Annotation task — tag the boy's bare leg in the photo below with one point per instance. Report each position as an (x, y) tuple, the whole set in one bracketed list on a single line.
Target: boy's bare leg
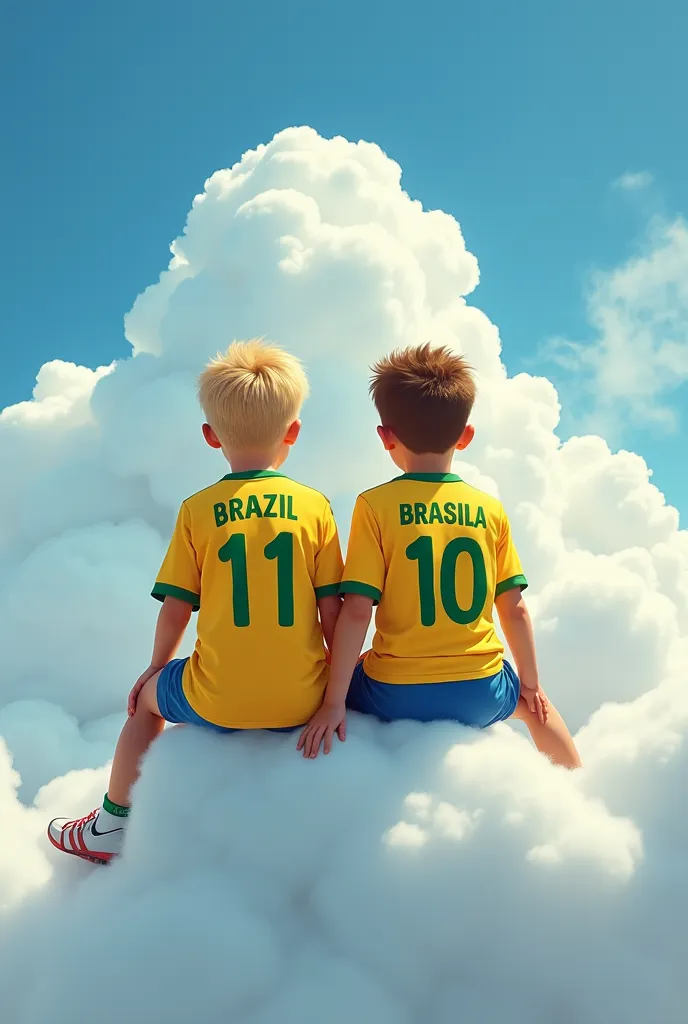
[(553, 738), (139, 731)]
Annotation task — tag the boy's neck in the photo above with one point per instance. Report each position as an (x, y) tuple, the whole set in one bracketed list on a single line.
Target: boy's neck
[(251, 461), (429, 463)]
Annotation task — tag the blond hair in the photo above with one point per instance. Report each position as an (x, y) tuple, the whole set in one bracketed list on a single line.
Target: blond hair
[(251, 393)]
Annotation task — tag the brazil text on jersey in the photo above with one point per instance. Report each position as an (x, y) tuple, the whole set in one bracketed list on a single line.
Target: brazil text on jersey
[(451, 512), (266, 506)]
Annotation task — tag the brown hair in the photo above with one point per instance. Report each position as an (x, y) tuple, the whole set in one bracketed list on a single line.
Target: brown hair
[(425, 395)]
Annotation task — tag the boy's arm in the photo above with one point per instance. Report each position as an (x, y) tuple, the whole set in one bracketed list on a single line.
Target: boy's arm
[(329, 609), (328, 575), (172, 621), (362, 585), (349, 635), (518, 632)]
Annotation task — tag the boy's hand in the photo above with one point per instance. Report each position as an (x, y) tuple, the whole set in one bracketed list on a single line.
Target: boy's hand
[(328, 720), (536, 701), (138, 686)]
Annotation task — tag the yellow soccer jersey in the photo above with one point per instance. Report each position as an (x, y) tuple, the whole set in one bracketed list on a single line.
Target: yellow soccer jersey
[(253, 553), (434, 552)]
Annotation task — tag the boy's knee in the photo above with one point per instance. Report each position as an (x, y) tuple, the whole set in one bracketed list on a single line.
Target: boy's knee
[(147, 702)]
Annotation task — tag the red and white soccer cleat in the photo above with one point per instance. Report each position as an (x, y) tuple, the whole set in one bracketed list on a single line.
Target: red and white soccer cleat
[(84, 839)]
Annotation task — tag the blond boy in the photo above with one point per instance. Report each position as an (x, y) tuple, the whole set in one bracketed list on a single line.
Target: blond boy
[(437, 557), (258, 556)]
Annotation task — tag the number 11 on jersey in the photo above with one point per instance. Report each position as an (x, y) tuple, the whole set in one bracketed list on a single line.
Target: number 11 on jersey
[(280, 549)]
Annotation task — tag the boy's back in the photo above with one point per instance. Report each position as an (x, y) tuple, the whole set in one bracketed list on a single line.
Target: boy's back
[(254, 552), (435, 552)]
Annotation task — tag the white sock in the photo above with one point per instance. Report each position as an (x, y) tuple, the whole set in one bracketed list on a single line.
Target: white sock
[(108, 822)]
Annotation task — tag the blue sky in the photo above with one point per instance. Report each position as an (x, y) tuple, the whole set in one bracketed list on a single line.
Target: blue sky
[(515, 117)]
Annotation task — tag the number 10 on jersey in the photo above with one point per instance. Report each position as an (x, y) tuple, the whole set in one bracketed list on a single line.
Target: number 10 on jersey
[(422, 551)]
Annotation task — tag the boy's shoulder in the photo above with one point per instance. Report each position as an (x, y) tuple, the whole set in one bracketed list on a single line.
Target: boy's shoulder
[(202, 496)]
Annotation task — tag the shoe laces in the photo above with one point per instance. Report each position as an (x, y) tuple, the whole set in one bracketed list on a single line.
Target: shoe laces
[(82, 822)]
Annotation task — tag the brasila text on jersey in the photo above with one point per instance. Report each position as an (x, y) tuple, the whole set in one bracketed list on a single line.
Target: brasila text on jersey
[(264, 506), (451, 512)]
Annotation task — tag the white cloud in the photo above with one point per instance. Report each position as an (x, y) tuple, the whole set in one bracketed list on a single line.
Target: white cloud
[(634, 181), (419, 869), (393, 869), (639, 311)]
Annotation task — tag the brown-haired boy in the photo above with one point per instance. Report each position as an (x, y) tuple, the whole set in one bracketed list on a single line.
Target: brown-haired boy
[(259, 555), (436, 556)]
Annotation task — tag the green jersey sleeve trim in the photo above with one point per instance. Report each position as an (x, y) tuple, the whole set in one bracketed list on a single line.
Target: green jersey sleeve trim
[(513, 581), (329, 590), (162, 590), (353, 587)]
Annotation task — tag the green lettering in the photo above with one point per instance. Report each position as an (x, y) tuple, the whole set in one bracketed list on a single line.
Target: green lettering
[(271, 499), (421, 551), (220, 510), (234, 552), (405, 514), (252, 507), (468, 515), (450, 512), (480, 518), (459, 509), (282, 513), (290, 508), (435, 514), (421, 513), (448, 567), (282, 548), (235, 506)]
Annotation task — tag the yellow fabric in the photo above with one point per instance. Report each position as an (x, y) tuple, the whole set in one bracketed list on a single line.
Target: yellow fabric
[(434, 552), (255, 551)]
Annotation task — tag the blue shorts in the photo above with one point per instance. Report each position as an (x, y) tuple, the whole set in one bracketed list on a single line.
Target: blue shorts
[(474, 702), (175, 708)]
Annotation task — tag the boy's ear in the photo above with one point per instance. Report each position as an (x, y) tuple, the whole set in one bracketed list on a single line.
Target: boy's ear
[(466, 437), (387, 437), (292, 433), (210, 436)]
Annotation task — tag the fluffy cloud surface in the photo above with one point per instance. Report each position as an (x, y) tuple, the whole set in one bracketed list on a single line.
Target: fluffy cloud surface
[(639, 310), (420, 873)]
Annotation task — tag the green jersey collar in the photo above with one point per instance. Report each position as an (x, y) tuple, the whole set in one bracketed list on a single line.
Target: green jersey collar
[(433, 478), (252, 474)]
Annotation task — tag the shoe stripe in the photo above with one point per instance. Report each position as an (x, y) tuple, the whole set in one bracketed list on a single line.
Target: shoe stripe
[(73, 842), (90, 855), (64, 836), (78, 835)]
